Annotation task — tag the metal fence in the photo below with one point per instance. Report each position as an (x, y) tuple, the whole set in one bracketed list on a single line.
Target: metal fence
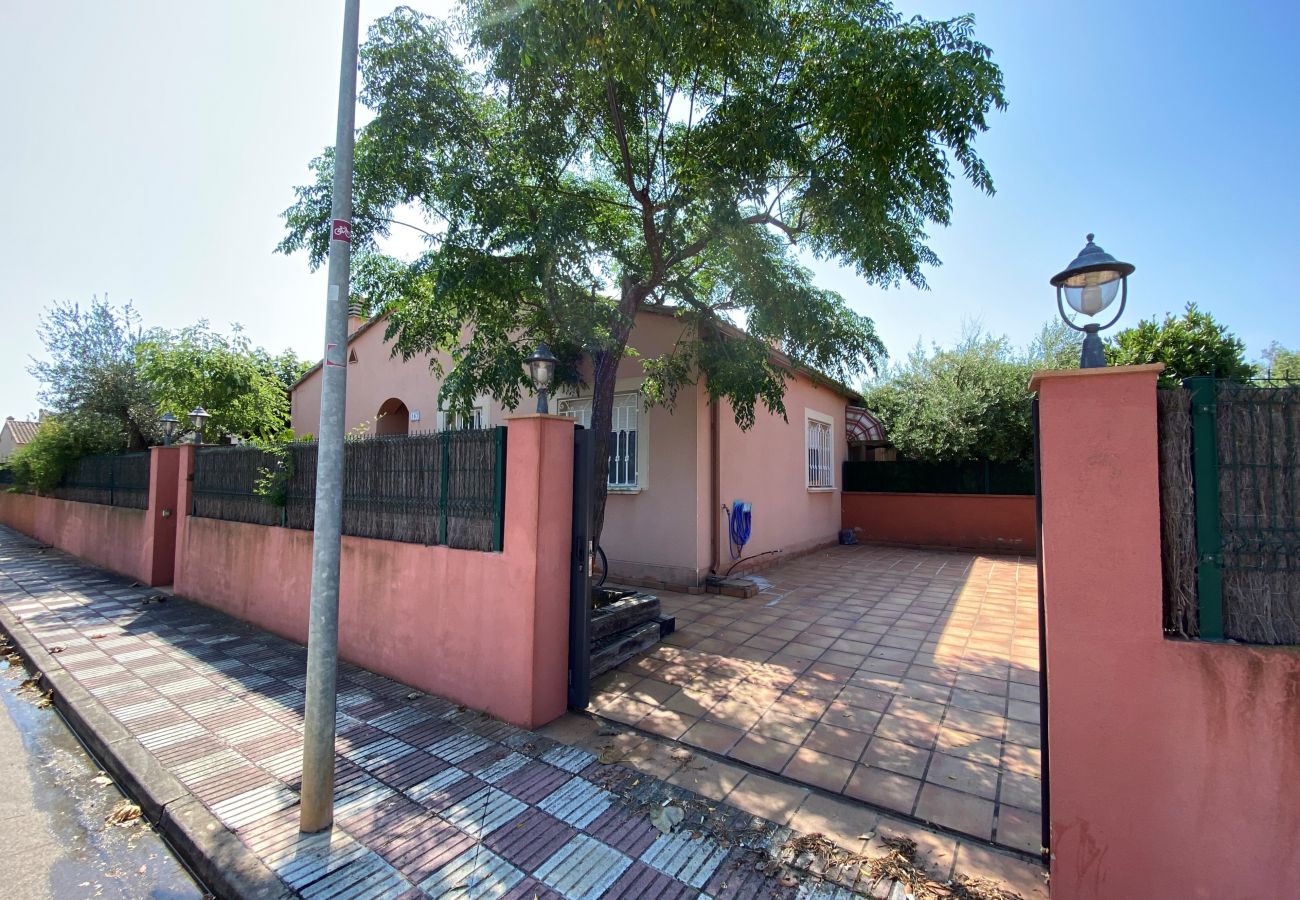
[(1230, 507), (111, 479), (446, 488), (911, 477)]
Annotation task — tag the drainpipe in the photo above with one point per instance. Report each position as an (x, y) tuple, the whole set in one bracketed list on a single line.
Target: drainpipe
[(715, 489)]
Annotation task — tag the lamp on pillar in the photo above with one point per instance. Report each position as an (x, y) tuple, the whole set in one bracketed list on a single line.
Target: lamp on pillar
[(198, 415), (1090, 284), (169, 423), (541, 369)]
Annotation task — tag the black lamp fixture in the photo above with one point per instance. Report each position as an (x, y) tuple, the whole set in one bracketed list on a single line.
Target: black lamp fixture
[(1089, 285), (198, 415), (541, 369), (169, 423)]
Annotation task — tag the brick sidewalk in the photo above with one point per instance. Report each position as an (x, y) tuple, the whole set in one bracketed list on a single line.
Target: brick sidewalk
[(431, 799)]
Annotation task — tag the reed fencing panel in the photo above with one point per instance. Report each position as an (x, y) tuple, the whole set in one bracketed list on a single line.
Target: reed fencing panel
[(1230, 510), (440, 488), (110, 479)]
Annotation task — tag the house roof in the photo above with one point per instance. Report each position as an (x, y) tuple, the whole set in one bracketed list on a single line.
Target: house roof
[(669, 311), (22, 431)]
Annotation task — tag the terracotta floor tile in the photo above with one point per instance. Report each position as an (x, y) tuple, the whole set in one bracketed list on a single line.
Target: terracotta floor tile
[(976, 722), (1020, 829), (1022, 711), (895, 756), (965, 745), (766, 753), (1024, 733), (782, 726), (1024, 878), (883, 788), (1019, 790), (767, 797), (836, 741), (963, 775), (734, 714), (818, 769), (918, 733), (711, 736), (667, 723), (953, 809)]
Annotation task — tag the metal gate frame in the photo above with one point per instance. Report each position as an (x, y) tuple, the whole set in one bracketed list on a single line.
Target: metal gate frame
[(584, 445)]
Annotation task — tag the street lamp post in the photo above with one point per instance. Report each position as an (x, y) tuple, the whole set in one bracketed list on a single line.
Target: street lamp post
[(198, 415), (1089, 284), (541, 369)]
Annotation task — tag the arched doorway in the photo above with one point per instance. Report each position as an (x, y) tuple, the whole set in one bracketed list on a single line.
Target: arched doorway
[(393, 417)]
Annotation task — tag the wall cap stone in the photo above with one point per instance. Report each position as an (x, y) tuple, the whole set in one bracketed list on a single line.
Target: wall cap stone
[(1042, 375)]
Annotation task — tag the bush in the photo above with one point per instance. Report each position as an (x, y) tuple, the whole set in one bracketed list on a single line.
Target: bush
[(971, 402), (1190, 344), (58, 443)]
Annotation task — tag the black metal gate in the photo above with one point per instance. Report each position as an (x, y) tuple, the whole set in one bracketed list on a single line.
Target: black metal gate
[(1042, 645), (580, 570)]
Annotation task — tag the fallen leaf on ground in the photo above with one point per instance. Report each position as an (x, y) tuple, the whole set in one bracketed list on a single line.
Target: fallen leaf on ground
[(101, 779), (414, 695), (58, 648), (125, 813), (610, 755), (666, 818)]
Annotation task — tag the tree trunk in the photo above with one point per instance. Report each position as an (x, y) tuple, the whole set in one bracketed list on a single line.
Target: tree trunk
[(604, 365)]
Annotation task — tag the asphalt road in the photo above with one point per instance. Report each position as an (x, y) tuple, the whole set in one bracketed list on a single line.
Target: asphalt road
[(54, 842)]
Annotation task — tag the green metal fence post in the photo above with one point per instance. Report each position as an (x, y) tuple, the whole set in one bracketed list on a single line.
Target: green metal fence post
[(499, 488), (445, 486), (1205, 482)]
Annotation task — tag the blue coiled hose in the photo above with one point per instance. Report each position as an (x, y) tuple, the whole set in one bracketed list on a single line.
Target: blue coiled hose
[(740, 520)]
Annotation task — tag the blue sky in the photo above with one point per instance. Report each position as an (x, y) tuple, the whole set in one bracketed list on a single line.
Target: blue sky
[(149, 148)]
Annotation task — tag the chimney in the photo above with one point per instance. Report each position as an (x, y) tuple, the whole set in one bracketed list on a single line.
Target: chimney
[(355, 322)]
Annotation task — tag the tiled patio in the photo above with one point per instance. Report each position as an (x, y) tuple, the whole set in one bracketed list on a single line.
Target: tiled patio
[(904, 678)]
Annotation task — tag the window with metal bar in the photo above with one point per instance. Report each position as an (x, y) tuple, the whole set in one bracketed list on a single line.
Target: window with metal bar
[(821, 454), (623, 434)]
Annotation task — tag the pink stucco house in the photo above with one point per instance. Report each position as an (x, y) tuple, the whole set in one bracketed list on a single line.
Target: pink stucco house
[(673, 472)]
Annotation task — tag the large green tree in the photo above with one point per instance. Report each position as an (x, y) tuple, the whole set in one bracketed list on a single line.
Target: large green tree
[(1281, 363), (571, 162), (242, 387), (1194, 343), (91, 372)]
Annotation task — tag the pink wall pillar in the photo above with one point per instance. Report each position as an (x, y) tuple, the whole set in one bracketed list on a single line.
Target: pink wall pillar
[(1173, 764)]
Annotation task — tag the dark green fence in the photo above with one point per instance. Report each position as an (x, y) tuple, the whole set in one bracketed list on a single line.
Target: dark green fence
[(445, 488), (114, 479), (1230, 506), (910, 477)]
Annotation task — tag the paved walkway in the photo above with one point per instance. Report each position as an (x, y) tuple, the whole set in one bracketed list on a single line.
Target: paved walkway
[(904, 678), (432, 800)]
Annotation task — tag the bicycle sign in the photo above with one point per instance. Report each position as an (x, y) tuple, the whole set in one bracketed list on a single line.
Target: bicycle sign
[(341, 230)]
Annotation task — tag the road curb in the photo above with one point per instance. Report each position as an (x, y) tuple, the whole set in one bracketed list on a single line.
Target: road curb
[(227, 868)]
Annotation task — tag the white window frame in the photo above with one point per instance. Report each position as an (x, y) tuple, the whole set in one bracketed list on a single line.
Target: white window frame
[(480, 419), (819, 451), (628, 417)]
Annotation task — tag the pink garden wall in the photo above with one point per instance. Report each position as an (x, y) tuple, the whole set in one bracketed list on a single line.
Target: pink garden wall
[(489, 630), (1173, 765), (137, 543), (1000, 523)]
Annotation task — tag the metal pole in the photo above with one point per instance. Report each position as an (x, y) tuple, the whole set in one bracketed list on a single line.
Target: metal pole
[(317, 810)]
